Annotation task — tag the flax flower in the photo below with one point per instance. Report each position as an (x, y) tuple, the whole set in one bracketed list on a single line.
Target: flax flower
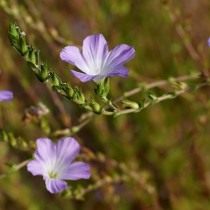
[(6, 95), (96, 61), (54, 161)]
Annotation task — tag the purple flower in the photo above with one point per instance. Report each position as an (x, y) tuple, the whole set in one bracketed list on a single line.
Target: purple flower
[(209, 41), (54, 161), (96, 61), (6, 95)]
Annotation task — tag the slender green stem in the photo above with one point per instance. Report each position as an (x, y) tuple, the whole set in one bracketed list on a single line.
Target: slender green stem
[(159, 83), (73, 130), (15, 168)]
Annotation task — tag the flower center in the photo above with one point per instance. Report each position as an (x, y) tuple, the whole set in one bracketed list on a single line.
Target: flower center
[(52, 174)]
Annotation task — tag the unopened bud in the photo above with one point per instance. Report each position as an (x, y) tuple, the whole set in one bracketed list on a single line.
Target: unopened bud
[(130, 104), (31, 56), (102, 88), (43, 75), (78, 96), (54, 79), (96, 107), (23, 46)]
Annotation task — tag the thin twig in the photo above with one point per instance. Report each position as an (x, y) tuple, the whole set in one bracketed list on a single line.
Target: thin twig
[(156, 84), (75, 129), (158, 100), (14, 169)]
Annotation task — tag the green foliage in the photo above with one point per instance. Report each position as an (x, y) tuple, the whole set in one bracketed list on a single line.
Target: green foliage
[(151, 150), (42, 71)]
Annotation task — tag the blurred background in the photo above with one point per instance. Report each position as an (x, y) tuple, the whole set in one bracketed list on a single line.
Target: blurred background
[(157, 159)]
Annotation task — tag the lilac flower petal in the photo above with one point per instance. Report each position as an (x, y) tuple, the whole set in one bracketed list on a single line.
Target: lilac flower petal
[(119, 55), (81, 76), (209, 41), (96, 61), (95, 50), (35, 168), (66, 150), (75, 171), (55, 185), (6, 95), (120, 71), (100, 77), (54, 163), (72, 55), (45, 150)]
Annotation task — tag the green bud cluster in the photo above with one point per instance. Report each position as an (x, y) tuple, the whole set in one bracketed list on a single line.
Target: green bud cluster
[(16, 142), (42, 71), (102, 89)]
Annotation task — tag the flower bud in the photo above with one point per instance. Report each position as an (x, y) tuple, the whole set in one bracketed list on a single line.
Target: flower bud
[(78, 96), (54, 79), (102, 88), (31, 56), (96, 107), (23, 46), (130, 104), (14, 31), (43, 75)]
